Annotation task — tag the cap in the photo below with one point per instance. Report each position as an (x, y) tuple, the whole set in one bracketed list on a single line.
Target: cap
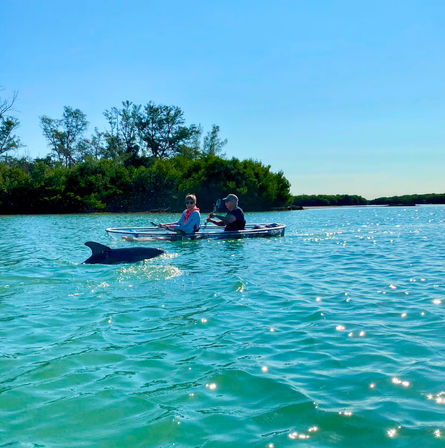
[(231, 197)]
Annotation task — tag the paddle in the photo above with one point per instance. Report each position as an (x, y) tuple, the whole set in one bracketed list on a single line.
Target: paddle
[(215, 207), (160, 226)]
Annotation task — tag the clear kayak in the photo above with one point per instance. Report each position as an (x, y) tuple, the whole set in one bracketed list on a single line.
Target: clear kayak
[(206, 232)]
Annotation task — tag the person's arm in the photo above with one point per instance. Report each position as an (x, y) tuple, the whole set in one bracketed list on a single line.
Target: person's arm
[(172, 225), (224, 220), (218, 223)]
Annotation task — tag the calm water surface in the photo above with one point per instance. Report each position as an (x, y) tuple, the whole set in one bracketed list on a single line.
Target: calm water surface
[(331, 336)]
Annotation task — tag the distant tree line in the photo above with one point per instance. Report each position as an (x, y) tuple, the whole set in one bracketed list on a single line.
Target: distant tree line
[(345, 199), (411, 199), (146, 159), (322, 200)]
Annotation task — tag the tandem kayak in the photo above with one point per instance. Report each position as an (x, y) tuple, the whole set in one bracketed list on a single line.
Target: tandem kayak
[(208, 232)]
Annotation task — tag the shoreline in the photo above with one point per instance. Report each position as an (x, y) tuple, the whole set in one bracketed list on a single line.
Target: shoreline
[(280, 209)]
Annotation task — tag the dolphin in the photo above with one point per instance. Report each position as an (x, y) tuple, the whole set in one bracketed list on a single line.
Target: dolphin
[(105, 255)]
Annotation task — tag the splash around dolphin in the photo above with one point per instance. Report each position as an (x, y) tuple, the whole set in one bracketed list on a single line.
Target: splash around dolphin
[(105, 255)]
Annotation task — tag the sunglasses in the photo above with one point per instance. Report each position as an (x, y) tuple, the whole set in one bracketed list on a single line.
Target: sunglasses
[(189, 202)]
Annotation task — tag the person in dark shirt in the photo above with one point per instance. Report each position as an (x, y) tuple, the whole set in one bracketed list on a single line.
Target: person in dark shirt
[(234, 220)]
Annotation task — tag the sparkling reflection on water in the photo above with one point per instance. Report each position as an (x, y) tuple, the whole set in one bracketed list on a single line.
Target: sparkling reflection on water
[(330, 336)]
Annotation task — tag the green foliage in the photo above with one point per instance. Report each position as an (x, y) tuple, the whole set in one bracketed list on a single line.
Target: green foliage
[(147, 159), (212, 177), (15, 187), (412, 199), (122, 137), (338, 200), (212, 144), (44, 186), (65, 136), (162, 130), (8, 125), (328, 200), (136, 131), (8, 141), (156, 187)]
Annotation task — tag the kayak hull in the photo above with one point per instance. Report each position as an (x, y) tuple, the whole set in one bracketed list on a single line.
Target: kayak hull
[(209, 232)]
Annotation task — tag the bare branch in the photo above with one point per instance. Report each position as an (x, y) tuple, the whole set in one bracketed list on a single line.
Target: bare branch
[(6, 105)]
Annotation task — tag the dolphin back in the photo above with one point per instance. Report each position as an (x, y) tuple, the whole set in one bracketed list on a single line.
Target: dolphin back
[(105, 255), (97, 248)]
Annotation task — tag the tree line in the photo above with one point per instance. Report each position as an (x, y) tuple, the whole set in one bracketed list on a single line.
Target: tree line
[(323, 200), (44, 186), (345, 199), (411, 199), (146, 159)]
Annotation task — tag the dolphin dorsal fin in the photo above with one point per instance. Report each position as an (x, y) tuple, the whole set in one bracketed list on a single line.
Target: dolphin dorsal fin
[(97, 248)]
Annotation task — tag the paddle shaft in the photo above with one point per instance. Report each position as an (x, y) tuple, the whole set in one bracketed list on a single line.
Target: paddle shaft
[(159, 226), (215, 207)]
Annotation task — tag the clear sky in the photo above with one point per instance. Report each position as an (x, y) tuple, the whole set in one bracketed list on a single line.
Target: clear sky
[(342, 96)]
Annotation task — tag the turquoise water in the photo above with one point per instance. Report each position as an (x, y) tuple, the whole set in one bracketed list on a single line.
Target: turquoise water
[(330, 336)]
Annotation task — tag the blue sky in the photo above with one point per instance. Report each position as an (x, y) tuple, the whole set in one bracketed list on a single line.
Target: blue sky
[(342, 96)]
